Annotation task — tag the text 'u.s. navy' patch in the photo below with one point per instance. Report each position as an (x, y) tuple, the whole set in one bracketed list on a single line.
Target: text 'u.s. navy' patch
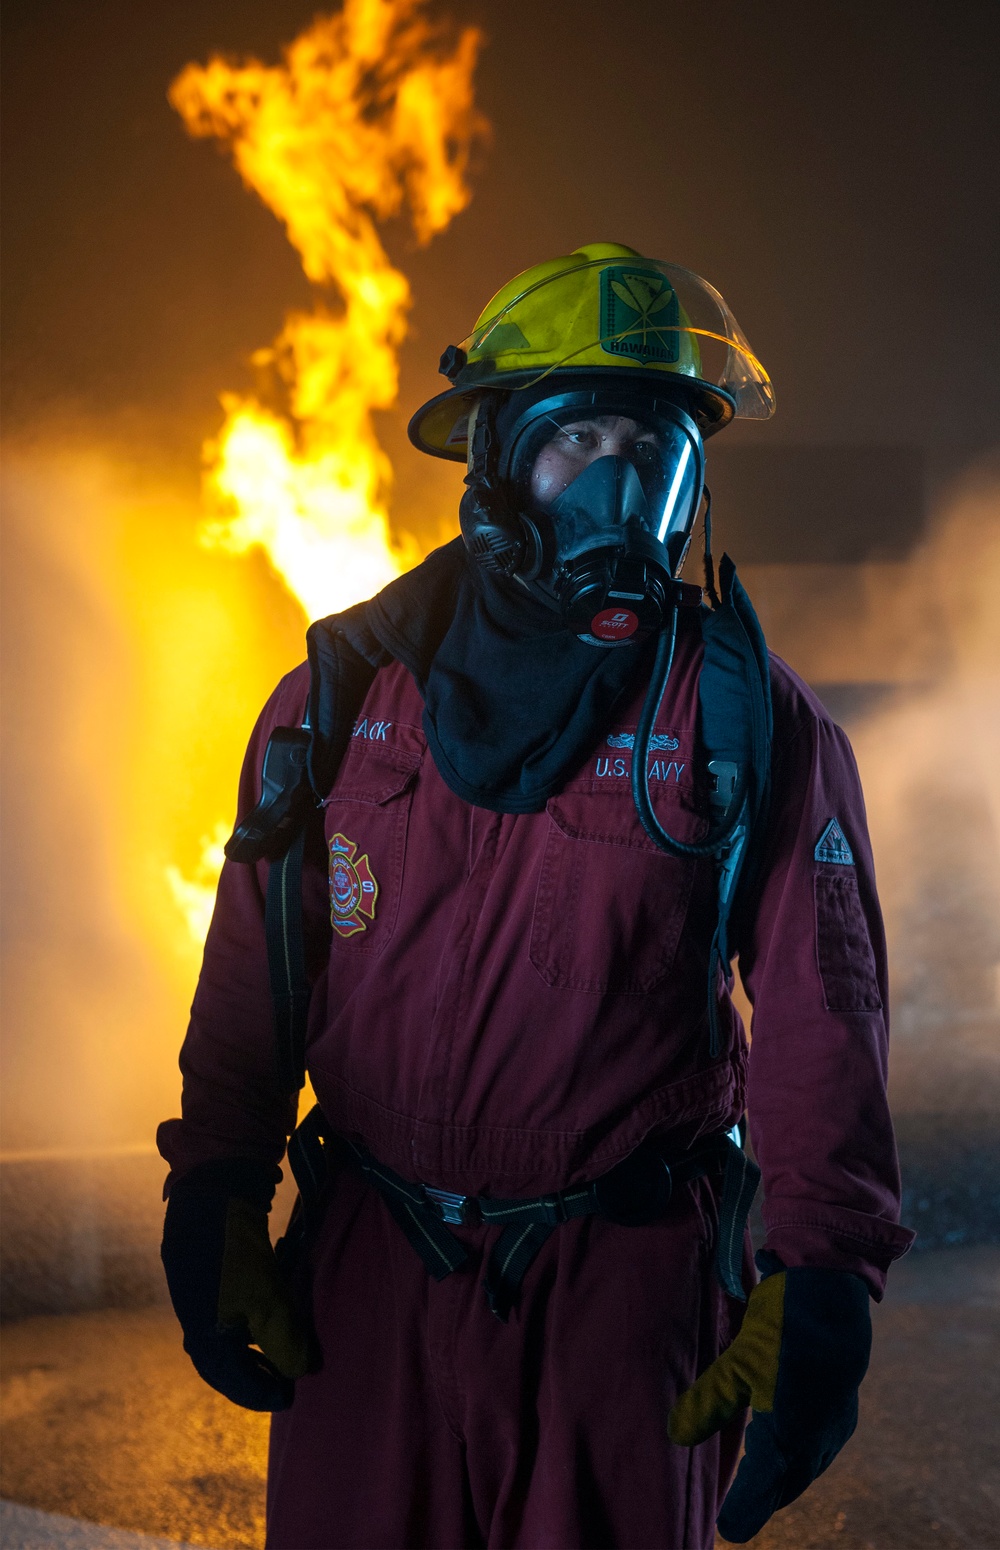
[(832, 846), (353, 889)]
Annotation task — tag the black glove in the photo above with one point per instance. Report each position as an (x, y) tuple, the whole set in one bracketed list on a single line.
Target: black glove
[(798, 1359), (226, 1288)]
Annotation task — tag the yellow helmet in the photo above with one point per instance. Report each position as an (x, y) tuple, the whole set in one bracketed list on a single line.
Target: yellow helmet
[(603, 310)]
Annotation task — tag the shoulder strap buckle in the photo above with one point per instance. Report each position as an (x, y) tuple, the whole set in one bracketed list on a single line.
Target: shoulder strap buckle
[(285, 796)]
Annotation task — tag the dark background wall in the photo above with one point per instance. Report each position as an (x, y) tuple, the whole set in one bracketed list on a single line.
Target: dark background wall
[(832, 169)]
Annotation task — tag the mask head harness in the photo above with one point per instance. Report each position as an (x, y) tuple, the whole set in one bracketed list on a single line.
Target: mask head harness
[(602, 537)]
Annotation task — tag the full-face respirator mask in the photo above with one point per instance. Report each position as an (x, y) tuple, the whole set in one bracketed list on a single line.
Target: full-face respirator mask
[(585, 498)]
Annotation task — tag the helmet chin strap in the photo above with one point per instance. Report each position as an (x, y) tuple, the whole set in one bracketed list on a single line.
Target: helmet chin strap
[(707, 560)]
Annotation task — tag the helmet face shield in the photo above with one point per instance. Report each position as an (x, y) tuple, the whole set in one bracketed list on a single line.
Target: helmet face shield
[(642, 314), (605, 312)]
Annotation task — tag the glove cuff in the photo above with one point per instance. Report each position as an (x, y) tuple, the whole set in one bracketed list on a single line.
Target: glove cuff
[(768, 1263), (242, 1178)]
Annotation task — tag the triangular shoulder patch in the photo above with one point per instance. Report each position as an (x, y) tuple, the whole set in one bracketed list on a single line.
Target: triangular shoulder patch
[(833, 846)]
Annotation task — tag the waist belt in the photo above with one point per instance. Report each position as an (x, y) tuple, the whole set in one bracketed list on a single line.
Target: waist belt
[(636, 1191)]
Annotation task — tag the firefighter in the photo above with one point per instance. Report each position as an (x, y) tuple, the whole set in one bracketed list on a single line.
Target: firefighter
[(499, 841)]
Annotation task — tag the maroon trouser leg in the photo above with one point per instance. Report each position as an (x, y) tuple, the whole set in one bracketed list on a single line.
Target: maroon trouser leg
[(432, 1426)]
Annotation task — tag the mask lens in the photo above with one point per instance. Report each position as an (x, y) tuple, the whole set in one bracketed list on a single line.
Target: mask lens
[(661, 452), (569, 442), (680, 486)]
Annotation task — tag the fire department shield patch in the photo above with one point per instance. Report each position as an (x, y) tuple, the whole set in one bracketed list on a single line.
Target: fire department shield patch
[(353, 889)]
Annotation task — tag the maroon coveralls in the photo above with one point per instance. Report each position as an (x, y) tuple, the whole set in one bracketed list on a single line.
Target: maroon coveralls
[(513, 1008)]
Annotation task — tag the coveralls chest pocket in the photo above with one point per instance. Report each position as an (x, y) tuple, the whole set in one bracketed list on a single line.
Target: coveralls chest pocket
[(610, 905), (365, 823)]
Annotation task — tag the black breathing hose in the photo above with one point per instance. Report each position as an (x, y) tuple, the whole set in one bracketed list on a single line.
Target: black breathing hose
[(715, 842)]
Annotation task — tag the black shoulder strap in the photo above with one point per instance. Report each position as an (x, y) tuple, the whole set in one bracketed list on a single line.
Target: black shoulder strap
[(734, 695), (344, 657), (300, 765), (734, 690)]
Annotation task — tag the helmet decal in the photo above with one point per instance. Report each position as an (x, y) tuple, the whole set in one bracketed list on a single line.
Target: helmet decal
[(640, 315), (506, 336)]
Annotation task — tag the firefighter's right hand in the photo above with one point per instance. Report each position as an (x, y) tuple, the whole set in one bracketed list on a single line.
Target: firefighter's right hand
[(226, 1288)]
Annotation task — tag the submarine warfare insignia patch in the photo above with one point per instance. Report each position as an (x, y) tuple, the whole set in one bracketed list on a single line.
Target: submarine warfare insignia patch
[(353, 889), (833, 846), (659, 740)]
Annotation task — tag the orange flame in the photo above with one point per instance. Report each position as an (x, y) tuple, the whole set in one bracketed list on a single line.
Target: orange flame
[(371, 110), (195, 896)]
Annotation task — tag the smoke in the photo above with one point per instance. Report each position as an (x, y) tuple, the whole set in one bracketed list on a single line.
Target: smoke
[(931, 771), (134, 665)]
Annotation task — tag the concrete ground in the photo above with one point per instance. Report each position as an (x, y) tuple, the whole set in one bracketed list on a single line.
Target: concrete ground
[(25, 1528), (103, 1420)]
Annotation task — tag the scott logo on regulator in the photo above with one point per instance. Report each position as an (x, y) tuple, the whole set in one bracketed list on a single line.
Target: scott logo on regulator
[(614, 624)]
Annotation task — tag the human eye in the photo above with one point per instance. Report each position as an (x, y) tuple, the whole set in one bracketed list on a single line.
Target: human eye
[(580, 435)]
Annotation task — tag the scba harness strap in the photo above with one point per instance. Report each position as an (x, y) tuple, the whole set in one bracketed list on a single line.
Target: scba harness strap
[(635, 1192), (299, 767)]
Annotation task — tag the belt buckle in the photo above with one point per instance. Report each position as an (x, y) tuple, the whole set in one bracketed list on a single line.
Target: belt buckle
[(451, 1206)]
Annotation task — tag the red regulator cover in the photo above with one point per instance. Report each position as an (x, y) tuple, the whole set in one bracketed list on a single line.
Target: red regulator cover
[(614, 624)]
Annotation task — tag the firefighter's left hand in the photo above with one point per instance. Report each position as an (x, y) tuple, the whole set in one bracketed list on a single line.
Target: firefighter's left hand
[(798, 1360)]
